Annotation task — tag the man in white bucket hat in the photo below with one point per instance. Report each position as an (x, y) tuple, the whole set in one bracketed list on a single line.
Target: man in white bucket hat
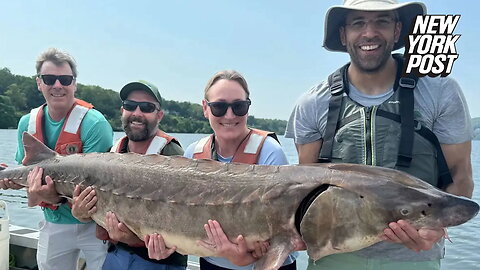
[(368, 113)]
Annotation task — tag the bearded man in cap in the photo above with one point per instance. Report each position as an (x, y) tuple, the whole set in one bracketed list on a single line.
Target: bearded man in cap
[(141, 114), (367, 113)]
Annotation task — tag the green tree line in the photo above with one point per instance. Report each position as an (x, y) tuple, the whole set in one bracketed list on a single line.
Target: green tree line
[(19, 94)]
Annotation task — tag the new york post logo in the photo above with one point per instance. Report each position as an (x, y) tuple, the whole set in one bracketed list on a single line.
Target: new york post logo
[(430, 46)]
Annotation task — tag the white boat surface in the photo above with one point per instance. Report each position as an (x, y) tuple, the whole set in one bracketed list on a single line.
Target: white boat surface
[(23, 246)]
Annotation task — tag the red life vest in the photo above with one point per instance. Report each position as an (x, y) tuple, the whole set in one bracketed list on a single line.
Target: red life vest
[(69, 141), (156, 145), (247, 153)]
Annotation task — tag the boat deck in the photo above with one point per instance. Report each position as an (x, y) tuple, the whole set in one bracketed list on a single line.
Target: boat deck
[(23, 244)]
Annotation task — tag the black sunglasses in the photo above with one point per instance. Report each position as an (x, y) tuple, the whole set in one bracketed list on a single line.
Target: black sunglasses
[(145, 107), (239, 108), (65, 80)]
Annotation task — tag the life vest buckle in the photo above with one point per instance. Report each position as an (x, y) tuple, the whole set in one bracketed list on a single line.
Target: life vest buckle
[(336, 89), (407, 83), (418, 126)]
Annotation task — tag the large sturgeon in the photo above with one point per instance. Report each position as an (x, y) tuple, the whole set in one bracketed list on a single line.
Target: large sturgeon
[(332, 208)]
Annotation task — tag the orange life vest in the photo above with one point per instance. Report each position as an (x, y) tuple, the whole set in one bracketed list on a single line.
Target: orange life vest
[(247, 153), (69, 141), (156, 145)]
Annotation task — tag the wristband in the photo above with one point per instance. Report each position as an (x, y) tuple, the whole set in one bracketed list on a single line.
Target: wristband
[(53, 206)]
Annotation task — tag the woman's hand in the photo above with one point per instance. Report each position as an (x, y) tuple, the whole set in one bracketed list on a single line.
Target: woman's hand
[(156, 247), (237, 251)]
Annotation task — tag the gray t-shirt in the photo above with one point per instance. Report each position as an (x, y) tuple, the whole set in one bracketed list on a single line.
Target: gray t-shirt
[(368, 100), (440, 106), (438, 101)]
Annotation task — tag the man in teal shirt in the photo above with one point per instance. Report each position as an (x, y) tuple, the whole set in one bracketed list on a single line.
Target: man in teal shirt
[(67, 125)]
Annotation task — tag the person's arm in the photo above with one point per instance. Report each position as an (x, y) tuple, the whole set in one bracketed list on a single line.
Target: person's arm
[(460, 165), (308, 153), (272, 153), (96, 133), (22, 127), (453, 129)]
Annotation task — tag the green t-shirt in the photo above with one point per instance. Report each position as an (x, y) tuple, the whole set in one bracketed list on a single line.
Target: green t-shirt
[(96, 135), (172, 149)]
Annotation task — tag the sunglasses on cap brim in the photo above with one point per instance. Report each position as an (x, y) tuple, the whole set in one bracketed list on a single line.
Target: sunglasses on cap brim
[(239, 108)]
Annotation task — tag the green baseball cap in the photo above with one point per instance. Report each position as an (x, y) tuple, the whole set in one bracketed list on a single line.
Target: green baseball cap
[(142, 86)]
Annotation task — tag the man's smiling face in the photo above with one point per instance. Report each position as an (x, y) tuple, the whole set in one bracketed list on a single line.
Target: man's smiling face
[(369, 38)]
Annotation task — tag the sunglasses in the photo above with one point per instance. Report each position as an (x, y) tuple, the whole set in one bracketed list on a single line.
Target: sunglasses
[(239, 108), (64, 80), (145, 107)]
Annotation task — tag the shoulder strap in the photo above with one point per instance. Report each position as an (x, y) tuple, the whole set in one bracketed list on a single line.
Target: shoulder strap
[(156, 145), (35, 124), (444, 176), (406, 85), (74, 119), (203, 148), (337, 83), (118, 145)]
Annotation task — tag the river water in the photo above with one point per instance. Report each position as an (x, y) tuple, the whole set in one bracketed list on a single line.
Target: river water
[(462, 254)]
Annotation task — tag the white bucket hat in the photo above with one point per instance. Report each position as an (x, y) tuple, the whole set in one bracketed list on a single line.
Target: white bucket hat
[(335, 18)]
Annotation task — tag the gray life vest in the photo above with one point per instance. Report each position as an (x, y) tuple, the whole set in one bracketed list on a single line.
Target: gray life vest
[(387, 135)]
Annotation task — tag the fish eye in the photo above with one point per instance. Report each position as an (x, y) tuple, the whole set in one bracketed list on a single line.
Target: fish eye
[(404, 212)]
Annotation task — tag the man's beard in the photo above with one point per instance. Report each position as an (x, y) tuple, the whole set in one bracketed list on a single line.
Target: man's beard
[(137, 135), (370, 65)]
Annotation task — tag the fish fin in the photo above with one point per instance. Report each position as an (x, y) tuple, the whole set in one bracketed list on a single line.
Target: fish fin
[(329, 225), (276, 255), (35, 150)]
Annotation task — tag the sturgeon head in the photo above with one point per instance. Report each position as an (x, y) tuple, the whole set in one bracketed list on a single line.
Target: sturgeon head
[(352, 209)]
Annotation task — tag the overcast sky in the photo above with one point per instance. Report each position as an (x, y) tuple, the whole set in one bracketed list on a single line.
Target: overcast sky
[(179, 45)]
